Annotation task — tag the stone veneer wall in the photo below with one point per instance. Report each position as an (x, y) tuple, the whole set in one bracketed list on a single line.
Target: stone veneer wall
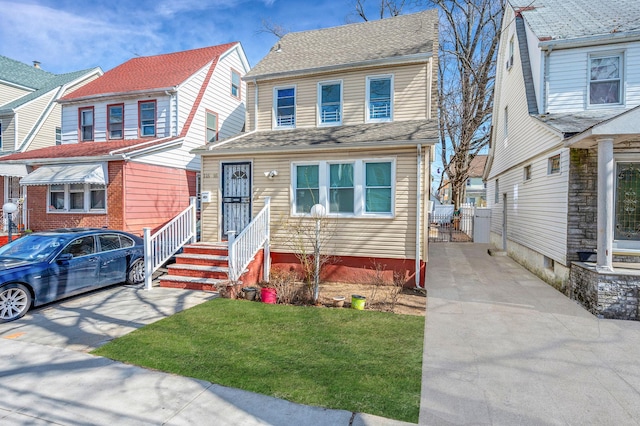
[(609, 295), (582, 229)]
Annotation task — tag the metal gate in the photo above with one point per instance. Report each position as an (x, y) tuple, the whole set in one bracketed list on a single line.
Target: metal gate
[(447, 226), (236, 197)]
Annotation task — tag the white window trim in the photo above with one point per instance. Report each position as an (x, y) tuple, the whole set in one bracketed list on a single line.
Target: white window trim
[(275, 106), (559, 172), (367, 100), (67, 201), (511, 52), (359, 187), (319, 104), (607, 54)]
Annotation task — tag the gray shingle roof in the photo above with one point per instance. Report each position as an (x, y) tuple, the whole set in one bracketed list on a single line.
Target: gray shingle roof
[(53, 81), (22, 74), (569, 19), (350, 44), (570, 123), (347, 137)]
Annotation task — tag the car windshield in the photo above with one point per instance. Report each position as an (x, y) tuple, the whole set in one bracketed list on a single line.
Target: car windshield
[(32, 247)]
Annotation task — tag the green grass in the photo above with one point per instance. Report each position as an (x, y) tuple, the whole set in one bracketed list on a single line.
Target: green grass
[(361, 361)]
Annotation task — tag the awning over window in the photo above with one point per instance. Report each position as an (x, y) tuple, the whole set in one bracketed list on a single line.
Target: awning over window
[(13, 170), (95, 173)]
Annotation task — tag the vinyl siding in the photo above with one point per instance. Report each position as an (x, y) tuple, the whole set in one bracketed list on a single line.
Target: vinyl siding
[(8, 132), (410, 102), (30, 113), (568, 76), (46, 135), (369, 237), (79, 84), (9, 93)]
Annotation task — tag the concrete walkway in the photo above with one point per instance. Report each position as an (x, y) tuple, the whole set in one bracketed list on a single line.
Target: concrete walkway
[(504, 348)]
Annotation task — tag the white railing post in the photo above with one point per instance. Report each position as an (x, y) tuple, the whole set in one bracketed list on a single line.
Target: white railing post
[(194, 219), (267, 250), (231, 237), (148, 268)]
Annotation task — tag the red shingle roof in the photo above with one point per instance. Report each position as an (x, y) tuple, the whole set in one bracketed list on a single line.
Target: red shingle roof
[(150, 72), (86, 149)]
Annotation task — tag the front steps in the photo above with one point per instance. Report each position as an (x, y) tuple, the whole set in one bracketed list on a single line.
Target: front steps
[(201, 266)]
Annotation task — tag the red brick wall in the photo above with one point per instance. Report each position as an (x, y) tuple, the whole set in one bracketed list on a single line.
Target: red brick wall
[(40, 220)]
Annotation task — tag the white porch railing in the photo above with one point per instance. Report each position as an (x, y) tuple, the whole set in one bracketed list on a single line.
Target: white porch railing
[(244, 247), (159, 247)]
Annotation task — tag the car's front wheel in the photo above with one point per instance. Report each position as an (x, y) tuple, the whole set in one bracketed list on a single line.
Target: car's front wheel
[(15, 301), (135, 275)]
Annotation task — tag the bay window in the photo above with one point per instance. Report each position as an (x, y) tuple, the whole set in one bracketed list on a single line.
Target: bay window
[(359, 188)]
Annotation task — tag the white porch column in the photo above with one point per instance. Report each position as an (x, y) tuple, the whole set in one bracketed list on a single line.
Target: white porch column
[(605, 204)]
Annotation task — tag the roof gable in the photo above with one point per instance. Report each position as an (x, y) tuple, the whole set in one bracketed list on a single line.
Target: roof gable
[(570, 19), (350, 44), (150, 72)]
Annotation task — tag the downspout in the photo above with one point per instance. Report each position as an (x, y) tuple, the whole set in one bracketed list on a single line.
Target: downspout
[(418, 214), (545, 91)]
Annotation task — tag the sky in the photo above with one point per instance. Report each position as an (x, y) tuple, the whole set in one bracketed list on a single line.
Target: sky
[(72, 35)]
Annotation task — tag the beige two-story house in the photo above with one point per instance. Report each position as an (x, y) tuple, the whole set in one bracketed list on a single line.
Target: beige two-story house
[(343, 117)]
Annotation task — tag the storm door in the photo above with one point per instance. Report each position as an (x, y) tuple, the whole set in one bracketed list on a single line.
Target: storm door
[(236, 197)]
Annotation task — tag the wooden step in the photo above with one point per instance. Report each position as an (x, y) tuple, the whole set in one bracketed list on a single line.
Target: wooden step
[(201, 259), (198, 271), (191, 283)]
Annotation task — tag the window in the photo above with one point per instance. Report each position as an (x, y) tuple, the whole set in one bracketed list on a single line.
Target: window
[(212, 126), (605, 80), (77, 197), (527, 172), (496, 199), (285, 106), (307, 187), (235, 84), (379, 98), (115, 121), (147, 114), (627, 202), (356, 188), (511, 49), (506, 122), (82, 246), (554, 165), (341, 188), (330, 100), (58, 136), (378, 189), (86, 124)]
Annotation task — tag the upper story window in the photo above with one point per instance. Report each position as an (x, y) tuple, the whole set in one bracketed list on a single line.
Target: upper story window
[(235, 84), (147, 117), (212, 126), (511, 50), (330, 102), (554, 165), (379, 98), (115, 121), (285, 106), (497, 192), (360, 188), (86, 124), (58, 135), (605, 79), (527, 172), (506, 122)]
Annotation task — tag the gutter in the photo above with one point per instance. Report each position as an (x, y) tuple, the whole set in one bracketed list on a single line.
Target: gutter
[(133, 93), (602, 39)]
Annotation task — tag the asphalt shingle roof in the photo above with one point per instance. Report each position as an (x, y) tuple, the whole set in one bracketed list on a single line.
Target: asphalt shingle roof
[(417, 131), (22, 74), (576, 122), (568, 19), (350, 44), (151, 72)]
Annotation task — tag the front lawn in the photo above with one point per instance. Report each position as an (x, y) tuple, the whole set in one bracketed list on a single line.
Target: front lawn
[(361, 361)]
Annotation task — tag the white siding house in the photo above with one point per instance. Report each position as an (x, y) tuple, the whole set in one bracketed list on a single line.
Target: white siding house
[(565, 147)]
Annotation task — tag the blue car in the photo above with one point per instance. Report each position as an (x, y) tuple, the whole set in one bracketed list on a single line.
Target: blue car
[(46, 266)]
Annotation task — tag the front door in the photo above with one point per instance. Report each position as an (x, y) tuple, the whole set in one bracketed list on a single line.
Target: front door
[(236, 197)]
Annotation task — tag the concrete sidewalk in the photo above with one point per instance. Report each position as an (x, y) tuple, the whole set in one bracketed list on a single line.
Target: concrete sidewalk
[(44, 382), (504, 348)]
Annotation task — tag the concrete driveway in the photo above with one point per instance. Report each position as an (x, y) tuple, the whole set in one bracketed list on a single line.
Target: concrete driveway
[(504, 348), (87, 321)]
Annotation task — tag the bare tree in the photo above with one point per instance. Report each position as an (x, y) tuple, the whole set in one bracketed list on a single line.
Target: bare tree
[(469, 34), (386, 8), (270, 27)]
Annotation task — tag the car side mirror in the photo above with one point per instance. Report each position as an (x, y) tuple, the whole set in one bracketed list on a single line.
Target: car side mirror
[(65, 257)]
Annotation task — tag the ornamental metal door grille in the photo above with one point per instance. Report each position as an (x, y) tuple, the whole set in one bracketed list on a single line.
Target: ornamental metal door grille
[(627, 221), (236, 197)]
